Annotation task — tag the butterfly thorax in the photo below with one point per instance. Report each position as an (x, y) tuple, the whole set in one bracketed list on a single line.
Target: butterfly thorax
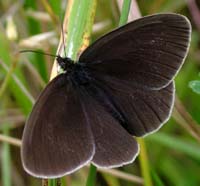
[(80, 75)]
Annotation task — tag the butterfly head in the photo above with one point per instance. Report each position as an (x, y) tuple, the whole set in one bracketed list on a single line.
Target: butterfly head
[(65, 62)]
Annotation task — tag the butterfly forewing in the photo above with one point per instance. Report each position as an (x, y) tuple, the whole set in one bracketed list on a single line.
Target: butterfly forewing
[(57, 139), (148, 52)]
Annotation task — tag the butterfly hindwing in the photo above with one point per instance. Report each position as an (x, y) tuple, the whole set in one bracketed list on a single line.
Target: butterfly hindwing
[(140, 111), (147, 52), (57, 139), (114, 146)]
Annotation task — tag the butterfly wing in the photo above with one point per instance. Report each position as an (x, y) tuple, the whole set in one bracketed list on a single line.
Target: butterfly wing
[(147, 52), (140, 111), (114, 146), (57, 139)]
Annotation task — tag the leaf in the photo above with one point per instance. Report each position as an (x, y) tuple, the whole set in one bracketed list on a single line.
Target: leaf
[(195, 86)]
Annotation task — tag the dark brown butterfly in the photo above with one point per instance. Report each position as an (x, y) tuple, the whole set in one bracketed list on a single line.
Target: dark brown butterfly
[(122, 86)]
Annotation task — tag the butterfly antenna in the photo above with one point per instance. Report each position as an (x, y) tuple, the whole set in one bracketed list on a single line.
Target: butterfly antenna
[(34, 51)]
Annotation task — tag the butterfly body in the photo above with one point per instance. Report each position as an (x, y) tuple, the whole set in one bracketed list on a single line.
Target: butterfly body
[(121, 87)]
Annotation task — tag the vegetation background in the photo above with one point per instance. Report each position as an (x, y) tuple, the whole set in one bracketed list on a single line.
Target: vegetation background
[(171, 156)]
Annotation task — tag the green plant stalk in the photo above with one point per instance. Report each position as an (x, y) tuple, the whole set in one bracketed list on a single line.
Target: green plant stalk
[(6, 160), (125, 12), (91, 176), (80, 20), (143, 158), (52, 182)]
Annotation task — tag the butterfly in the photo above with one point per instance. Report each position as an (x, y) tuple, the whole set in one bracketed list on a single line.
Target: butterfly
[(122, 86)]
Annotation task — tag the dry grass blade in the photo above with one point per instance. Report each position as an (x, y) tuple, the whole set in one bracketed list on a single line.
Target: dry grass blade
[(122, 175), (10, 140)]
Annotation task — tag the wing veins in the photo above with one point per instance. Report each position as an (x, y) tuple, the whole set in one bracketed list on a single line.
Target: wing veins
[(152, 109), (142, 122)]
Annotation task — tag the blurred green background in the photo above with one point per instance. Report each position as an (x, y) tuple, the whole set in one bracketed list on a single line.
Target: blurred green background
[(173, 152)]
